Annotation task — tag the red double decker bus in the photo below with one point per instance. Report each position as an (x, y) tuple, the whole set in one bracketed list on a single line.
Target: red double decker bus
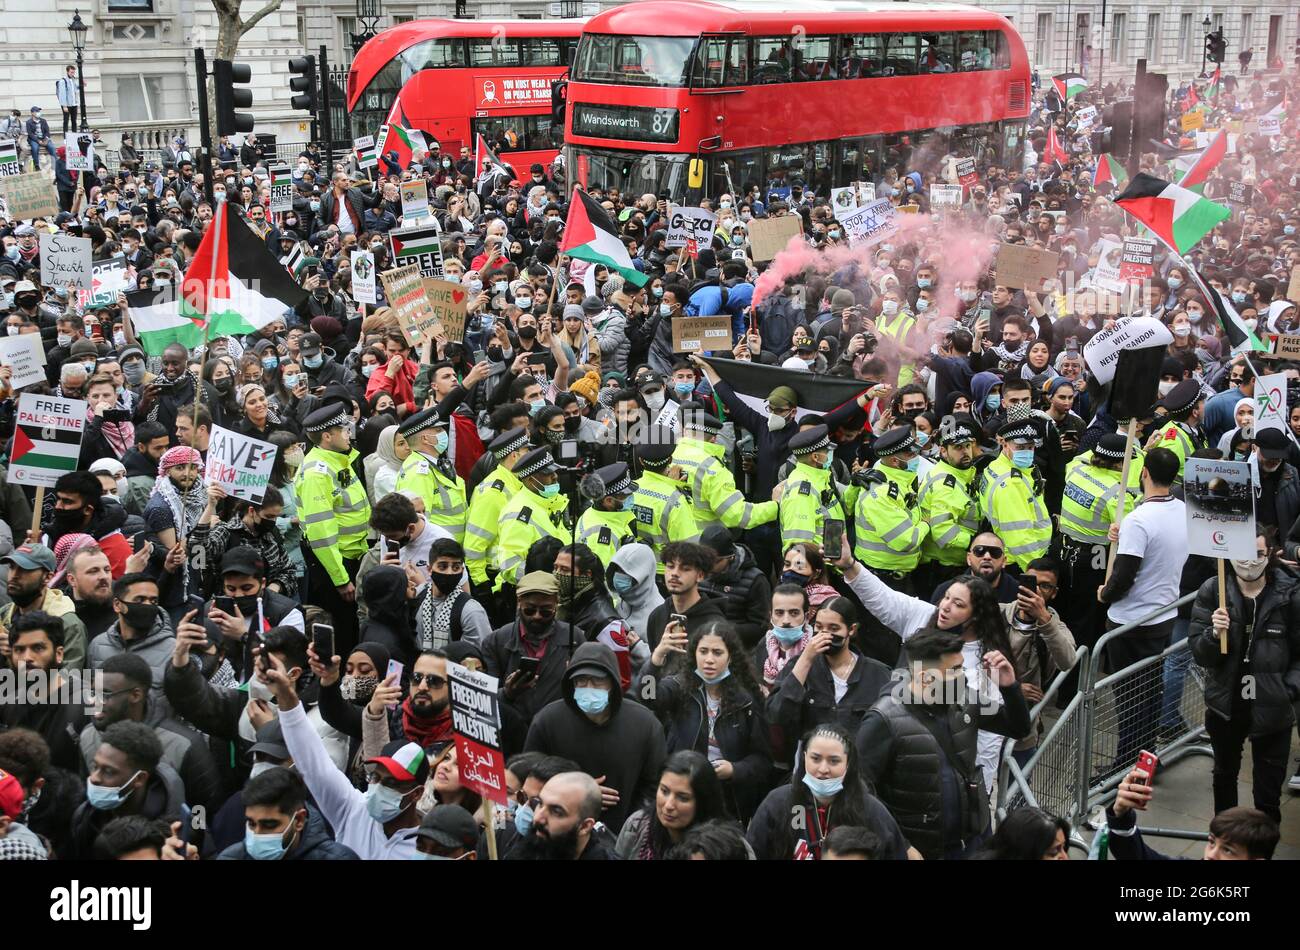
[(768, 93), (456, 78)]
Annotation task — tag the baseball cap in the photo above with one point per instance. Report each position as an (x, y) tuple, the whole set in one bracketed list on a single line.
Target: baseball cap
[(405, 760), (782, 397), (270, 741), (29, 557), (1272, 444), (449, 826), (243, 560)]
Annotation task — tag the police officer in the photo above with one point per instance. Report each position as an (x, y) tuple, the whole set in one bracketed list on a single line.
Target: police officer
[(889, 526), (490, 496), (610, 521), (535, 511), (429, 472), (809, 495), (1181, 432), (714, 496), (1011, 493), (948, 502), (660, 506), (335, 515)]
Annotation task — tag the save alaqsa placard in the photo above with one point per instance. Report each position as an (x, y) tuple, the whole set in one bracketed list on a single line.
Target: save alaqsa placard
[(1220, 501)]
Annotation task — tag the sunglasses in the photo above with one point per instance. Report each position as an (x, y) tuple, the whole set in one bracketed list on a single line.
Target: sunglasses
[(434, 681), (986, 550), (545, 613)]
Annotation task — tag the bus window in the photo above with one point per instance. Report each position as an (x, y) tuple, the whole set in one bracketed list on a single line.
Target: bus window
[(862, 55), (433, 54), (812, 59), (568, 46), (820, 182), (936, 53), (634, 60), (493, 52), (635, 172), (971, 51), (531, 133), (772, 59), (900, 54), (721, 62), (787, 165), (851, 154), (540, 51), (735, 173), (996, 44)]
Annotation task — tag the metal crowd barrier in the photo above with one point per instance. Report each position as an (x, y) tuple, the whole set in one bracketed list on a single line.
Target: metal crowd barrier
[(1092, 744)]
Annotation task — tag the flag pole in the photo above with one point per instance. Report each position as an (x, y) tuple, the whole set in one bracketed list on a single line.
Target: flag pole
[(218, 221)]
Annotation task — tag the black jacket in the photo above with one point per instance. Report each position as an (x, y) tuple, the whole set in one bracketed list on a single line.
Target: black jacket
[(1271, 653), (502, 651), (592, 612), (797, 707), (765, 831), (698, 616), (744, 594), (628, 749), (163, 796), (315, 845)]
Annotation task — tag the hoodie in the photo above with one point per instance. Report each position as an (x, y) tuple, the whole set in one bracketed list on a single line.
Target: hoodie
[(638, 562), (980, 385), (155, 648), (627, 749)]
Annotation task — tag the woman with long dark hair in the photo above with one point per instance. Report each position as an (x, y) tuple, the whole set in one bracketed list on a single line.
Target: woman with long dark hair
[(689, 794), (1028, 834), (714, 706), (825, 791)]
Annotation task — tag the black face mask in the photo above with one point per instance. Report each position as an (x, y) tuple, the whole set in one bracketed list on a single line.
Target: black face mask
[(225, 385), (837, 643), (495, 354), (140, 617), (528, 333), (445, 581), (247, 605), (68, 519), (572, 424)]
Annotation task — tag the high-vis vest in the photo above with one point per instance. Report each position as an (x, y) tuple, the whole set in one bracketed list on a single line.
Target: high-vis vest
[(333, 509), (1089, 501), (525, 519), (714, 496), (606, 531), (898, 330), (1014, 507), (484, 521), (444, 496), (1177, 438), (806, 502), (889, 526), (950, 507), (662, 513)]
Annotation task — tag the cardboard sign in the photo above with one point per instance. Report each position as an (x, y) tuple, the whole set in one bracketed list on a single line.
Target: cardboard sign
[(107, 280), (1086, 118), (1240, 193), (415, 199), (364, 148), (47, 438), (871, 223), (30, 195), (967, 176), (1270, 403), (908, 208), (1287, 346), (686, 223), (281, 188), (1025, 267), (25, 355), (701, 334), (843, 200), (1101, 353), (420, 245), (1220, 503), (239, 463), (1269, 125), (404, 292), (1137, 259), (363, 278), (9, 163), (866, 191), (1193, 120), (769, 236), (1293, 288), (945, 196), (449, 305), (65, 261), (80, 153), (476, 722), (1107, 272)]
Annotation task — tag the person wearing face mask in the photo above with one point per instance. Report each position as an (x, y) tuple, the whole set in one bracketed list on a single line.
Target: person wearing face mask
[(252, 525), (1246, 685), (1277, 495), (608, 523), (810, 496), (663, 411), (714, 496), (141, 629), (1011, 493), (536, 511), (321, 368), (489, 497), (280, 824), (1185, 413), (788, 635), (890, 527), (30, 567), (429, 472), (243, 578)]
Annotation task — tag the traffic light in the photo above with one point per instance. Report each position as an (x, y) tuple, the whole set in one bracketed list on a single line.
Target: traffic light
[(303, 83), (1150, 95), (559, 99), (227, 75), (1216, 47)]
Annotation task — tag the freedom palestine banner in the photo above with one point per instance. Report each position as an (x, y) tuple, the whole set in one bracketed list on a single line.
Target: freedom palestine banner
[(421, 246), (9, 164), (367, 155), (281, 188), (47, 439)]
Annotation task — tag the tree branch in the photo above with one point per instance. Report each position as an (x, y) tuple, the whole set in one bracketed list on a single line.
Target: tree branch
[(246, 25)]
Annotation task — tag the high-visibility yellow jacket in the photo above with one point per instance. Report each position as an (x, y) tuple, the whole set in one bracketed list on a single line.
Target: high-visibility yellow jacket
[(714, 496), (483, 523), (333, 509), (889, 526), (806, 502), (605, 531), (662, 512), (444, 495), (1012, 501), (525, 519), (950, 507)]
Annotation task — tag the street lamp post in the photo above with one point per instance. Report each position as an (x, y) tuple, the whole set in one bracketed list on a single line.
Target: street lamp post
[(78, 30), (1205, 29)]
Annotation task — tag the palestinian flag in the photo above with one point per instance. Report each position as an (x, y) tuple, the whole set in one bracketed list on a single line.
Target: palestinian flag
[(753, 381), (1177, 217), (1191, 99), (1239, 336), (8, 151), (1199, 172), (367, 156), (281, 175), (1109, 170), (1069, 85), (234, 285), (591, 236), (1212, 90), (486, 163), (1053, 151), (403, 138), (50, 447), (293, 260)]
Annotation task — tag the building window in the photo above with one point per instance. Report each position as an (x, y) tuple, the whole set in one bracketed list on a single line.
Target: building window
[(1043, 40), (1119, 39), (347, 26), (1247, 31), (302, 29), (134, 6), (140, 98), (1216, 22), (1153, 37), (1184, 37)]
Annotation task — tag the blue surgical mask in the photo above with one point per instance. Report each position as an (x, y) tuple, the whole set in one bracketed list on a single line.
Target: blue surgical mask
[(717, 679), (922, 438), (830, 460), (923, 282), (1022, 458), (628, 504), (922, 305), (1175, 283), (270, 362), (551, 490), (658, 291), (914, 463), (537, 406), (476, 286), (500, 287), (313, 362), (106, 797), (315, 205), (623, 583), (383, 803), (665, 310), (442, 442), (368, 370), (738, 239), (787, 636), (684, 390), (993, 401), (264, 847), (524, 820), (1288, 229), (823, 787), (590, 700), (1238, 296)]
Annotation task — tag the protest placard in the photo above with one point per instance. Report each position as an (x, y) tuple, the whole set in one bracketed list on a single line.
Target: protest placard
[(1269, 125), (701, 334), (1193, 120), (685, 222), (769, 236), (25, 355), (866, 191), (1107, 272), (1086, 118), (1240, 193), (363, 277), (448, 303), (79, 151), (1137, 259), (1270, 402), (967, 176), (47, 439), (107, 280), (9, 163), (843, 200), (476, 723), (945, 196), (65, 260), (1293, 287), (364, 148), (1101, 353), (404, 291), (420, 245), (871, 223), (415, 199), (1220, 505), (281, 188), (1025, 267), (1287, 346), (239, 463), (30, 195)]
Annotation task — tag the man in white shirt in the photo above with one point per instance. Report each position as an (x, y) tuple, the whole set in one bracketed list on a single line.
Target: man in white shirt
[(1148, 568), (66, 91)]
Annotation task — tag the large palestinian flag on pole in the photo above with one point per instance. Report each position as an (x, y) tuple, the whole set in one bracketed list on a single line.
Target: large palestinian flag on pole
[(753, 382), (234, 286), (1069, 85), (1199, 172), (1177, 217), (1109, 170), (403, 138), (591, 236), (1239, 336)]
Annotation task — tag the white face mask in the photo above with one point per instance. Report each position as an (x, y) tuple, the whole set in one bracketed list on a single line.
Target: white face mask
[(654, 401), (1166, 386), (889, 307), (1250, 570), (775, 423)]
